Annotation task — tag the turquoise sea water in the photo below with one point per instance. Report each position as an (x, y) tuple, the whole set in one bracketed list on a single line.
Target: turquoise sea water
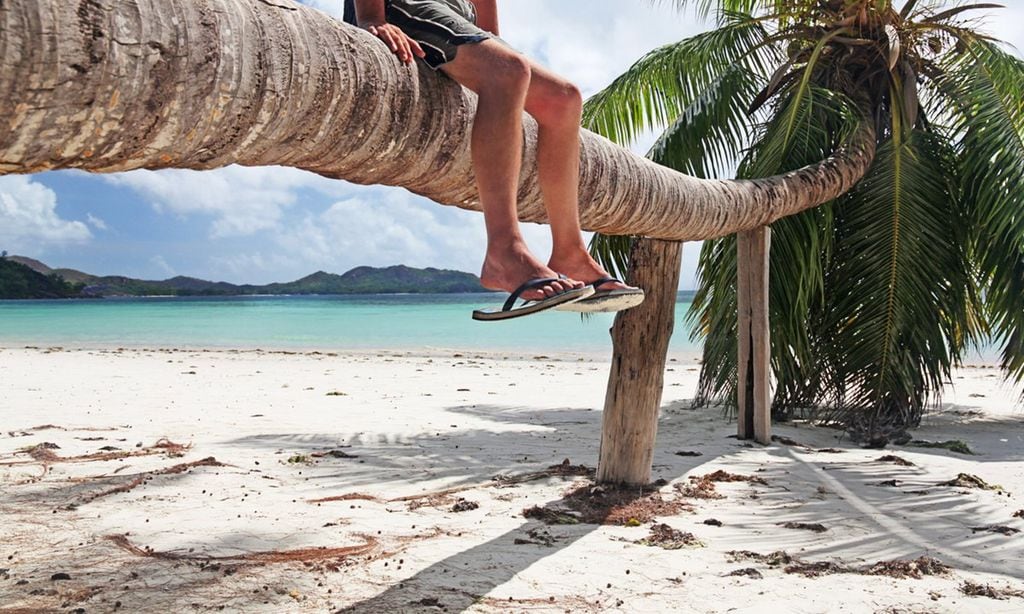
[(327, 323)]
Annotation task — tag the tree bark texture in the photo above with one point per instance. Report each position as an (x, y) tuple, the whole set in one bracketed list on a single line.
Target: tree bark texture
[(640, 336), (754, 396), (114, 85)]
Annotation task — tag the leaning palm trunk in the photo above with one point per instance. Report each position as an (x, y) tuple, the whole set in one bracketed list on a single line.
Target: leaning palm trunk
[(114, 85)]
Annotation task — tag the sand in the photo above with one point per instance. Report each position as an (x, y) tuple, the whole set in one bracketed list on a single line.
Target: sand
[(176, 481)]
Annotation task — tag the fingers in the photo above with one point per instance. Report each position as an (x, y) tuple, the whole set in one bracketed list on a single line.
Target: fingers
[(416, 49), (404, 52), (397, 41)]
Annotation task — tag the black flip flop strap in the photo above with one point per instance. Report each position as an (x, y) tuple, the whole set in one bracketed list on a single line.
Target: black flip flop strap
[(605, 280), (533, 284)]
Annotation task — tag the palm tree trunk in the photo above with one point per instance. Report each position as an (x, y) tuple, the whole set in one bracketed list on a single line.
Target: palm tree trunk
[(640, 337), (113, 85)]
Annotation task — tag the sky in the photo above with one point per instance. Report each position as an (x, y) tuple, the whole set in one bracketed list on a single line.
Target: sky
[(260, 225)]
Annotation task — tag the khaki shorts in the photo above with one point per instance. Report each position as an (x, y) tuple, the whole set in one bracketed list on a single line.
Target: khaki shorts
[(439, 26)]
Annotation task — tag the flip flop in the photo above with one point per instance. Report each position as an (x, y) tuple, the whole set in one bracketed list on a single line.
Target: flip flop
[(606, 300), (509, 309)]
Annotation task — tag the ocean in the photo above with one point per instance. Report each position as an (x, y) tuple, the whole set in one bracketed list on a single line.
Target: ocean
[(324, 323)]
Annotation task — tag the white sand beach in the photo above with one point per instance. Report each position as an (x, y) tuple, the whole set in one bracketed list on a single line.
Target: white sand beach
[(176, 481)]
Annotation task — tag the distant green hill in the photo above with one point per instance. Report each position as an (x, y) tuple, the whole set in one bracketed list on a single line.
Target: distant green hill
[(18, 281), (361, 280)]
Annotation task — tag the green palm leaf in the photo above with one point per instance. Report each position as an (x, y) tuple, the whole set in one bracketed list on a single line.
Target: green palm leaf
[(807, 125), (704, 140), (896, 286), (988, 84), (662, 85)]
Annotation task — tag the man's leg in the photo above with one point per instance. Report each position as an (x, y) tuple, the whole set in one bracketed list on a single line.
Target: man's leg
[(501, 78), (557, 105)]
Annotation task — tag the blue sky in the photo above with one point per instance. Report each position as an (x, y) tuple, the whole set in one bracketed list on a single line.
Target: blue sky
[(257, 225)]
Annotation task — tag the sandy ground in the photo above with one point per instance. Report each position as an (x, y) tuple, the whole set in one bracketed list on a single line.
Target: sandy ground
[(176, 481)]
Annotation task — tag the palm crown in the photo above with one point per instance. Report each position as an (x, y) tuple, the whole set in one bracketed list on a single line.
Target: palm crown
[(875, 296)]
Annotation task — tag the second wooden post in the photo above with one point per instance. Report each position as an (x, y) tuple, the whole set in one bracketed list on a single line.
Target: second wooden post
[(754, 366)]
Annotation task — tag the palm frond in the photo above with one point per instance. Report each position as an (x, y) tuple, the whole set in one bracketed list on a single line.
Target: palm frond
[(987, 85), (807, 125), (897, 295), (663, 84)]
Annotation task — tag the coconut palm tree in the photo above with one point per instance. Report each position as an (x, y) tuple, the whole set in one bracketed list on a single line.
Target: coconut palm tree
[(876, 296)]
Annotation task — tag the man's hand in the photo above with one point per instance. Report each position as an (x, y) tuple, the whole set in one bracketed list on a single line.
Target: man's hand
[(396, 40)]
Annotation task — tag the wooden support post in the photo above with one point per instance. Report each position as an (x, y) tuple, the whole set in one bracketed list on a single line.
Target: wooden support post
[(754, 385), (640, 339)]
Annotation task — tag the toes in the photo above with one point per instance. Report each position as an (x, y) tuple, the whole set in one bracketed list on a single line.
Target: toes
[(567, 284)]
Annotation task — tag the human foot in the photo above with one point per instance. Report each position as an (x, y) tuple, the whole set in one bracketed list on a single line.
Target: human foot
[(508, 268), (580, 265), (610, 294)]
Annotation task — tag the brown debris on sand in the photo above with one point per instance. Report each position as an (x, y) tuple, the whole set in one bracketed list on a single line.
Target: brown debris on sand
[(804, 526), (333, 454), (975, 589), (43, 453), (749, 572), (899, 569), (352, 496), (703, 486), (967, 480), (725, 476), (916, 569), (462, 505), (775, 559), (667, 538), (614, 505), (300, 555), (896, 460), (816, 569), (548, 515), (442, 498), (539, 536), (1018, 514), (996, 528), (564, 469), (145, 477), (786, 441), (699, 489)]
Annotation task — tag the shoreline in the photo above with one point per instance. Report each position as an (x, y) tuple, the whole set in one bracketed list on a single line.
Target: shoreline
[(422, 352), (603, 356)]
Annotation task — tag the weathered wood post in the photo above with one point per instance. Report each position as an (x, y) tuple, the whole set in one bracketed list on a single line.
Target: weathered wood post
[(754, 373), (640, 339)]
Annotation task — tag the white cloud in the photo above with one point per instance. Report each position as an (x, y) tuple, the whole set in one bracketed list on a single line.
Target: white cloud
[(387, 227), (160, 265), (592, 42), (331, 7), (241, 200), (95, 222), (29, 219)]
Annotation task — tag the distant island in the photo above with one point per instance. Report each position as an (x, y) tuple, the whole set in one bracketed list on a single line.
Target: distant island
[(26, 278)]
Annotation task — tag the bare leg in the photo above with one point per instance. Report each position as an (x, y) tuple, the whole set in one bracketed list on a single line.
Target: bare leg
[(501, 78), (556, 104)]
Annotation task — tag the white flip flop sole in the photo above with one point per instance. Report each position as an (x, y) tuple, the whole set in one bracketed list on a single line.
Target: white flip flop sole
[(613, 300)]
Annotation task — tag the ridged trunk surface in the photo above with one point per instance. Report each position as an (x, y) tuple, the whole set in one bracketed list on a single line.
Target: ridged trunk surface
[(637, 379), (113, 85)]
